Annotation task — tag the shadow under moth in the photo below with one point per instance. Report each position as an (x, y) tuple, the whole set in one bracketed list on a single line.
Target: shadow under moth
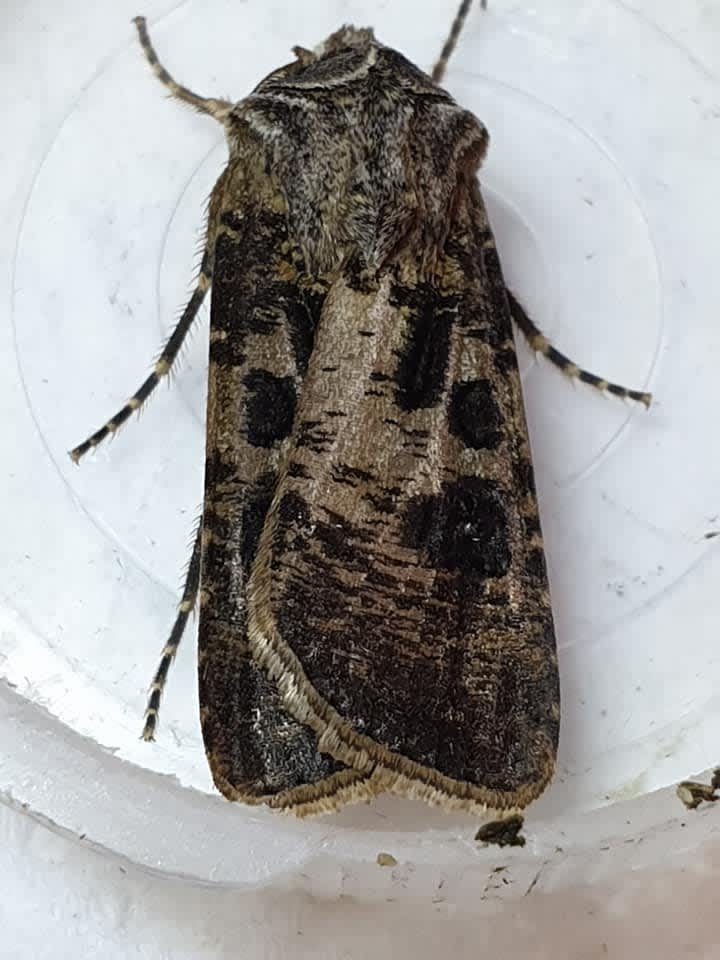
[(374, 604)]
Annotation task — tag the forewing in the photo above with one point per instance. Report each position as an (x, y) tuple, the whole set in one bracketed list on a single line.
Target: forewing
[(261, 336), (399, 594)]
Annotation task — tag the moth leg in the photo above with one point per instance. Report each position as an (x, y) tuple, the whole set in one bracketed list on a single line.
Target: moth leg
[(163, 364), (540, 344), (187, 605), (438, 71), (216, 108)]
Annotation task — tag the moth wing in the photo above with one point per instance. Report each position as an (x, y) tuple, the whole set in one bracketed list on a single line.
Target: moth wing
[(261, 332), (399, 596)]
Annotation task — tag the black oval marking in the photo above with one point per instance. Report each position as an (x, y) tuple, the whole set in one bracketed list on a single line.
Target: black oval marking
[(270, 407), (463, 528), (474, 416)]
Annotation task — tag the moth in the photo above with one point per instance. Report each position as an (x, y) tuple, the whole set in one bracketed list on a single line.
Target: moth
[(374, 611)]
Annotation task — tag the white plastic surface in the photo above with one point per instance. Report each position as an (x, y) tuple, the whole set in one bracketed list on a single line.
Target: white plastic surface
[(602, 184)]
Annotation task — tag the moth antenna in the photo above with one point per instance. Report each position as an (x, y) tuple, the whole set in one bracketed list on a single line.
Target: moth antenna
[(460, 17), (216, 108), (187, 605), (540, 344), (163, 364)]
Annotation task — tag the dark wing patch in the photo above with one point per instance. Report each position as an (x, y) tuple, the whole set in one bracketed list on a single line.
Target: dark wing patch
[(423, 357), (269, 407), (474, 416), (464, 527)]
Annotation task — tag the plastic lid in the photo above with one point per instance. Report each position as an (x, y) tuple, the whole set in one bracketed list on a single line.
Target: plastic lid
[(602, 186)]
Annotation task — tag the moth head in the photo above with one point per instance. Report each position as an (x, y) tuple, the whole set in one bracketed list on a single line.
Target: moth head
[(346, 38)]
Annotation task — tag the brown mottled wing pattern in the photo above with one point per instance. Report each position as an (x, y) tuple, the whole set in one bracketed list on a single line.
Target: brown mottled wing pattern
[(400, 580), (375, 610), (261, 336)]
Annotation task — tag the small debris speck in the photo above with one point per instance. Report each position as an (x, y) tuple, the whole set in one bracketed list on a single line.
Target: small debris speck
[(386, 860)]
